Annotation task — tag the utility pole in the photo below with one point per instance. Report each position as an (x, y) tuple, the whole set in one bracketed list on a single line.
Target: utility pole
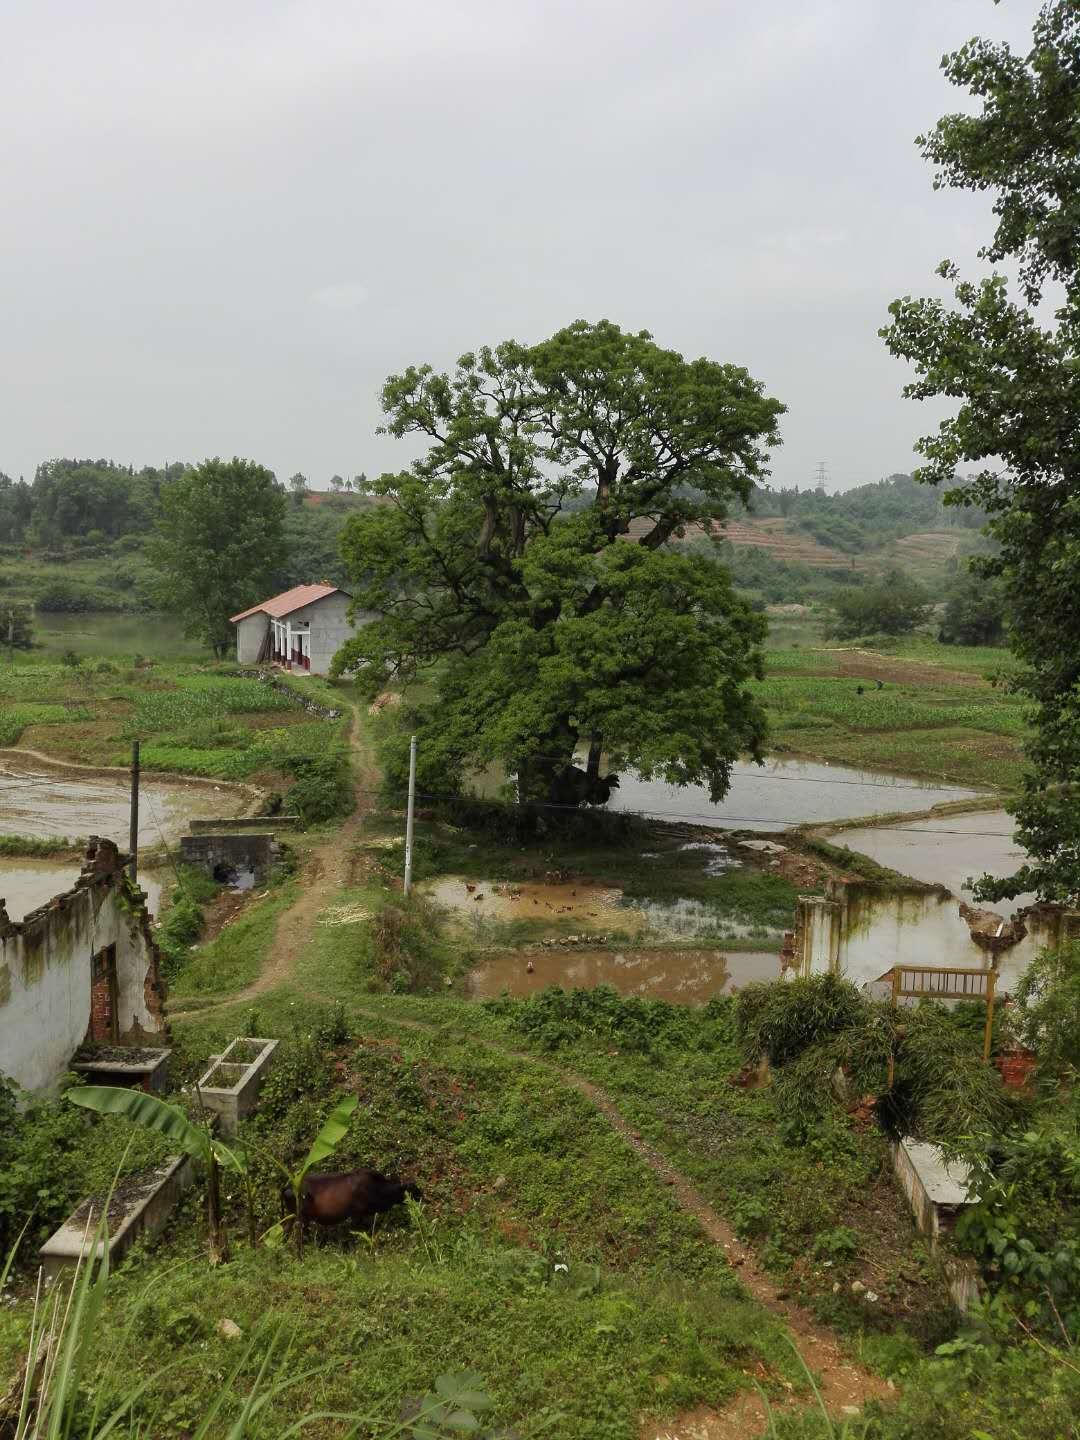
[(11, 634), (409, 815), (133, 832)]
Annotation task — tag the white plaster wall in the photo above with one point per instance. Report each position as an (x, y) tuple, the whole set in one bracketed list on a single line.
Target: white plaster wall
[(249, 638), (45, 982), (862, 934), (329, 627)]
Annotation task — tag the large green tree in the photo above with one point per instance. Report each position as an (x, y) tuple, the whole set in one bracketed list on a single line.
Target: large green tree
[(521, 562), (1007, 354), (219, 542)]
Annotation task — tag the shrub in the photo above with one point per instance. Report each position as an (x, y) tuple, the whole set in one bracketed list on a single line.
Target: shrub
[(409, 957), (780, 1021), (1047, 1016), (322, 789), (892, 606), (62, 595)]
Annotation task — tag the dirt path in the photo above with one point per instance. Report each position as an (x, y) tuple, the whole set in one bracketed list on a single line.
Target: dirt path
[(845, 1386), (330, 866)]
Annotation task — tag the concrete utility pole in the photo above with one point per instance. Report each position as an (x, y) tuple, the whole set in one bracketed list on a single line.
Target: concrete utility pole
[(133, 832), (409, 815)]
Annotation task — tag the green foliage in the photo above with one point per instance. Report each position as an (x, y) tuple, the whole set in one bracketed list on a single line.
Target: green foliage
[(15, 718), (556, 1018), (974, 611), (893, 605), (41, 847), (1011, 365), (51, 1156), (780, 1021), (16, 626), (182, 923), (547, 633), (1047, 1016), (810, 1029), (1025, 1231), (323, 788), (219, 543)]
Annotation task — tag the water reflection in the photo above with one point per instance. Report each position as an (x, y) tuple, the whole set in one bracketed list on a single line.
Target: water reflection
[(682, 977), (781, 794), (27, 884)]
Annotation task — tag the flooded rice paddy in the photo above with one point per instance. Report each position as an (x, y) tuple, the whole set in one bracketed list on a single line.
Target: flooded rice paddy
[(682, 977), (946, 850), (781, 794), (26, 884), (47, 804)]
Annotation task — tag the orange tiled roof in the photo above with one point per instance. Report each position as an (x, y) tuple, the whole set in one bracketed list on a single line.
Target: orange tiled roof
[(290, 600)]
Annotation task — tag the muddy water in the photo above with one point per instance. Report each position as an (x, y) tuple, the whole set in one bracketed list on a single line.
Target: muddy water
[(49, 804), (26, 884), (946, 851), (585, 906), (683, 977), (780, 794)]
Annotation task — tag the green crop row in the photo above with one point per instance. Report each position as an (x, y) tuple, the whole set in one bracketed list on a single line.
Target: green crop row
[(15, 718), (795, 701)]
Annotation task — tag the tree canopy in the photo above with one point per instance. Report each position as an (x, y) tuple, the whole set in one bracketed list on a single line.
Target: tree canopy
[(219, 542), (1013, 373), (521, 563), (893, 605)]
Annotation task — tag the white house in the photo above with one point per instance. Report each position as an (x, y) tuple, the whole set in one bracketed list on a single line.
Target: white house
[(301, 629)]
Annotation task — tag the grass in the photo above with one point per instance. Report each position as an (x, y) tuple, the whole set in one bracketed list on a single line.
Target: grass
[(14, 719), (40, 847), (547, 1256), (234, 958)]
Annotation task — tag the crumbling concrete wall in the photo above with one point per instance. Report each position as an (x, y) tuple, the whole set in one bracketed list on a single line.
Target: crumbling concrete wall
[(46, 964), (230, 858), (861, 930)]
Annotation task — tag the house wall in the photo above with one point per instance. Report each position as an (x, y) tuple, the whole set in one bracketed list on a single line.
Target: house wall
[(45, 962), (250, 634), (860, 932), (329, 627)]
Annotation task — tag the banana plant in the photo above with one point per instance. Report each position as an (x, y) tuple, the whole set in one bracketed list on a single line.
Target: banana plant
[(334, 1130), (198, 1140)]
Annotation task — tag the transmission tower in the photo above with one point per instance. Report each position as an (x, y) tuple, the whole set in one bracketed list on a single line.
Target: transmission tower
[(820, 475)]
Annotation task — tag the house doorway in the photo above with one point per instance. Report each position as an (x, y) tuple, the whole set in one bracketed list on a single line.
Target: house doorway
[(104, 1027)]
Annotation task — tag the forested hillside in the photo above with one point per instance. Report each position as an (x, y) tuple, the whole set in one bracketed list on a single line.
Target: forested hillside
[(72, 539)]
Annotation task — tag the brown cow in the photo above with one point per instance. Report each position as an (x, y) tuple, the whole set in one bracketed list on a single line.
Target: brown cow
[(355, 1195)]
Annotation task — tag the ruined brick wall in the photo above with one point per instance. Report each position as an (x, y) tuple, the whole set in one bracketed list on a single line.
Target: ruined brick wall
[(860, 931), (49, 995)]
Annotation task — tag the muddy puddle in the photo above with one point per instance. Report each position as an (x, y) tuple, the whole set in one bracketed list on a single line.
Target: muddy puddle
[(947, 850), (27, 884), (683, 977), (582, 908), (50, 803)]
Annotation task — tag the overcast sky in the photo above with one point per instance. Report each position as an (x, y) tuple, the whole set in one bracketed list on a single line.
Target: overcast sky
[(226, 221)]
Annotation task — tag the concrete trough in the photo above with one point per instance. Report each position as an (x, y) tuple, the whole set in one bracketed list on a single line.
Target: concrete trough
[(138, 1210), (138, 1068), (937, 1191), (230, 1088)]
